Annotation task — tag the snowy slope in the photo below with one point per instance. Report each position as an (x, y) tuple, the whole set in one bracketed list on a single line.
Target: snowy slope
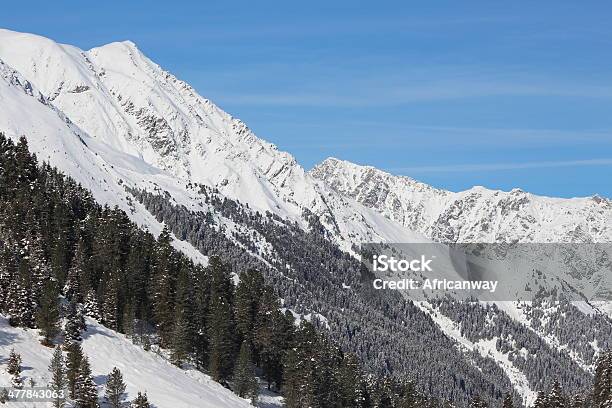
[(129, 104), (486, 348), (482, 215), (55, 139), (474, 215), (166, 385), (111, 118)]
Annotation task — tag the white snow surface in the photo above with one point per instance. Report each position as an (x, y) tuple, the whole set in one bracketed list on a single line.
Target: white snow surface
[(110, 118), (154, 129), (24, 110), (474, 215), (486, 348), (480, 215), (167, 386)]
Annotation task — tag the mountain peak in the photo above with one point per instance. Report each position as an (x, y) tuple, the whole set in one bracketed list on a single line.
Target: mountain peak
[(348, 169), (126, 46), (335, 162), (9, 35), (129, 44), (333, 165), (475, 215), (159, 128)]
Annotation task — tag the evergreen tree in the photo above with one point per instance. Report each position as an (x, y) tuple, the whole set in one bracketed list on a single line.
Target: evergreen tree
[(137, 274), (386, 394), (410, 397), (110, 306), (508, 402), (74, 357), (141, 401), (115, 388), (201, 312), (86, 393), (273, 337), (163, 286), (293, 385), (72, 287), (602, 389), (21, 306), (478, 402), (299, 384), (245, 382), (184, 330), (74, 324), (541, 401), (59, 381), (61, 243), (182, 339), (6, 277), (556, 398), (14, 369), (92, 308), (350, 382), (327, 359), (221, 335), (249, 294), (129, 319), (41, 273), (80, 317), (47, 317)]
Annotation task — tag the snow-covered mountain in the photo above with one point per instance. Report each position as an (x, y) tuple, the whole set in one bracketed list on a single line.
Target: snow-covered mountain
[(116, 122), (474, 215), (149, 124), (480, 215), (55, 139)]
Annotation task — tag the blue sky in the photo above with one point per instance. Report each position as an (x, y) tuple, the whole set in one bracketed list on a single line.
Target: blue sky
[(456, 94)]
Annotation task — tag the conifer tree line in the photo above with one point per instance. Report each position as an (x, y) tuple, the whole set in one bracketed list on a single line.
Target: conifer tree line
[(358, 319), (599, 396), (64, 257)]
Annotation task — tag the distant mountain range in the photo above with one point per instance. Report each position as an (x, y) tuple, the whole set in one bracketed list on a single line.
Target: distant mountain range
[(118, 123), (474, 215)]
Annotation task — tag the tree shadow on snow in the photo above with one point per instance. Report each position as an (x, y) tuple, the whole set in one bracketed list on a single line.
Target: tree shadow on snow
[(93, 330), (100, 379), (6, 338)]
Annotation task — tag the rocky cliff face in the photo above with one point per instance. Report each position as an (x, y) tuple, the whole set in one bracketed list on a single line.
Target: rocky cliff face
[(474, 215)]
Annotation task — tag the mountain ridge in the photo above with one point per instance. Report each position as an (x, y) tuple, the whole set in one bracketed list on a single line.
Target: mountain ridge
[(474, 215), (121, 98), (331, 160), (117, 122)]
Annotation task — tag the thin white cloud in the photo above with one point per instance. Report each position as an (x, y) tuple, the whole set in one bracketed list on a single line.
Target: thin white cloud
[(321, 27), (384, 135), (360, 96), (501, 166), (324, 80)]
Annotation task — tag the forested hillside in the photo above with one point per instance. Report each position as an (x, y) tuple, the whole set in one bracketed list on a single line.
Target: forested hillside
[(140, 140), (65, 256)]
